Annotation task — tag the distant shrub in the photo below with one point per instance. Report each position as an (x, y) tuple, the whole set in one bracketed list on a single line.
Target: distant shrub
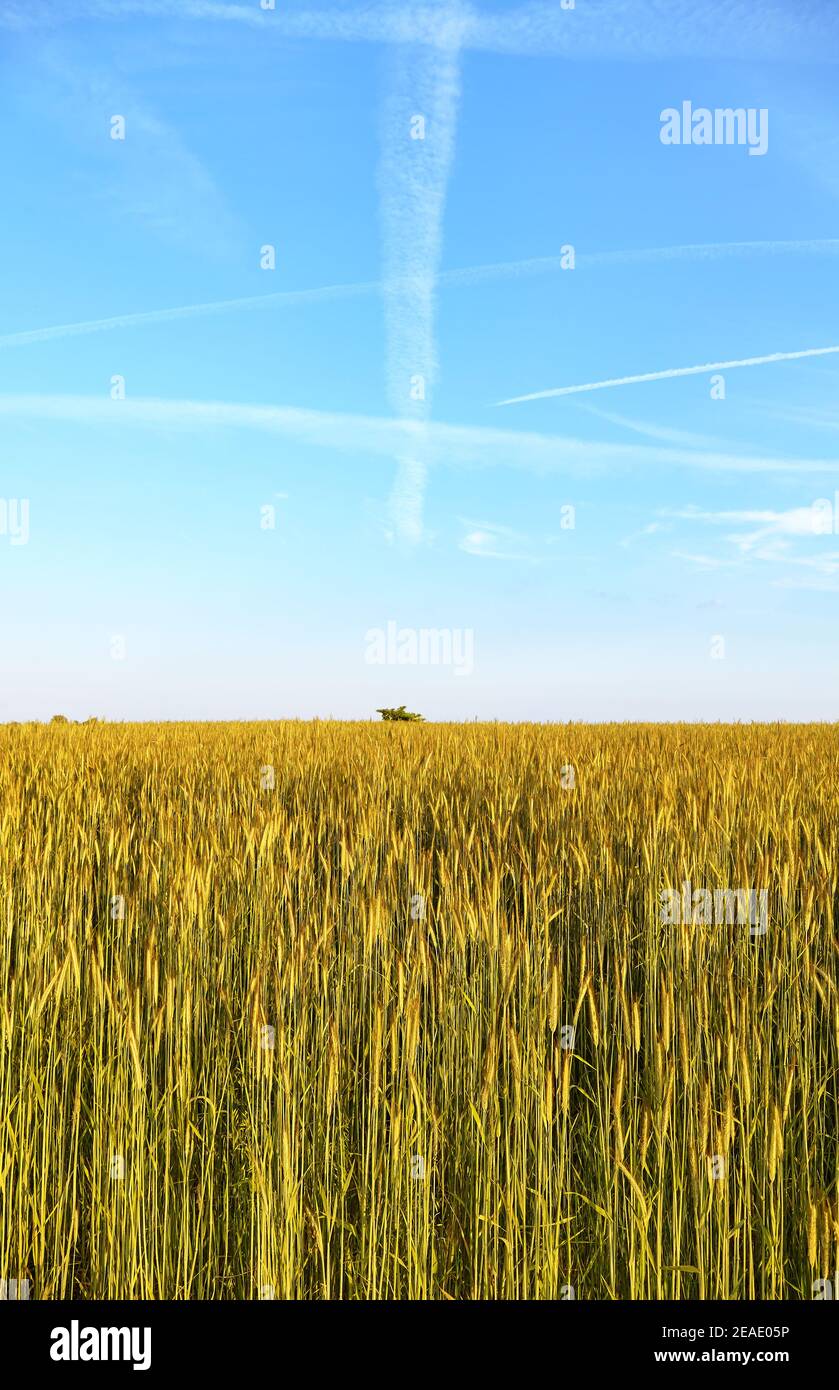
[(59, 719), (400, 713)]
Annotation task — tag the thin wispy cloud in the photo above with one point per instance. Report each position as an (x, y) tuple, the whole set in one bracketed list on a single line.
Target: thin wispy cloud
[(805, 415), (771, 544), (807, 521), (490, 541), (151, 178), (670, 373), (825, 563), (816, 583), (705, 563), (810, 137), (819, 571), (652, 431), (651, 529), (463, 276), (418, 135)]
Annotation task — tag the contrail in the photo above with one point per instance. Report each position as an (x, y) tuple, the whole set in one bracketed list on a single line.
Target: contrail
[(611, 29), (690, 251), (419, 124), (462, 276), (670, 372), (447, 445), (186, 311)]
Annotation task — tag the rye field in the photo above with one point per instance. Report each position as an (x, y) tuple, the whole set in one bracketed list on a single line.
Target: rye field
[(357, 1011)]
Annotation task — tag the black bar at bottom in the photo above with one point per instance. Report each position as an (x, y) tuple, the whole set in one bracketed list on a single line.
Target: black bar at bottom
[(84, 1340)]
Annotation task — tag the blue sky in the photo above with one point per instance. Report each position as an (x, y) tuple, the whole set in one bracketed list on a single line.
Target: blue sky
[(146, 584)]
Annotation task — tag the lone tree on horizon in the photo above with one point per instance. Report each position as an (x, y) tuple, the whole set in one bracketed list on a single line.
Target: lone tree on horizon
[(400, 713)]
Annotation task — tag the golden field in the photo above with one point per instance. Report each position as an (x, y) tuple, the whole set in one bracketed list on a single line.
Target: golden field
[(407, 1023)]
